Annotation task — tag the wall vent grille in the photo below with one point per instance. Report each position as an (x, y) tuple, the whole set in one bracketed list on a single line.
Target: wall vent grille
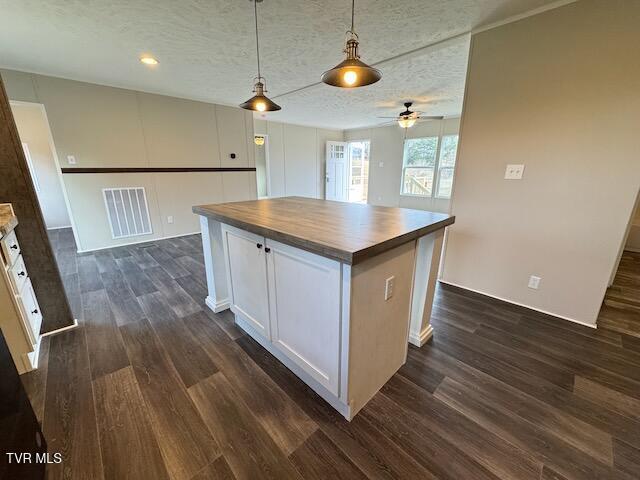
[(127, 211)]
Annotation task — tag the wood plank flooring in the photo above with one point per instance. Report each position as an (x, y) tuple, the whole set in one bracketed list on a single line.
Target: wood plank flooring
[(621, 310), (153, 385)]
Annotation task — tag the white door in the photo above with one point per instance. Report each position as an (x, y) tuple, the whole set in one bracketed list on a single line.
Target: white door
[(337, 174), (304, 305), (247, 277)]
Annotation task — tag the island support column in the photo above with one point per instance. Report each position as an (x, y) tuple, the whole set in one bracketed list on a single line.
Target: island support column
[(428, 250), (218, 292)]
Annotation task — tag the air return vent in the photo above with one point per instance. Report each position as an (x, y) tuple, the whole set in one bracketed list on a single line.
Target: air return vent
[(127, 211)]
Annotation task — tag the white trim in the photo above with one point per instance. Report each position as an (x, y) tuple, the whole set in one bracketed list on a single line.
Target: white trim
[(217, 306), (522, 16), (420, 340), (141, 241), (520, 304), (59, 228), (63, 329)]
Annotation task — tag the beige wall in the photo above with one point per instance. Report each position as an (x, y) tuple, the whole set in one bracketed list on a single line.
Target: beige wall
[(34, 131), (387, 144), (559, 93), (296, 157), (112, 127)]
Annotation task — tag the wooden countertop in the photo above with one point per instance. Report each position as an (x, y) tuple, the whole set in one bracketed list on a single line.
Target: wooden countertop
[(8, 220), (347, 232)]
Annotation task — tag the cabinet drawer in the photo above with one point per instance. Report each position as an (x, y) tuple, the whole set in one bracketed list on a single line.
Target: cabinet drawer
[(30, 311), (18, 274), (10, 247)]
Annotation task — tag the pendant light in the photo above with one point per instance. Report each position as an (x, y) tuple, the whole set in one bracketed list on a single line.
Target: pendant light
[(351, 72), (259, 102)]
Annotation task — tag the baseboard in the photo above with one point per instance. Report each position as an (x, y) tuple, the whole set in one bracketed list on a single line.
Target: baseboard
[(60, 330), (520, 304), (139, 242), (58, 228), (219, 305), (632, 249), (422, 338)]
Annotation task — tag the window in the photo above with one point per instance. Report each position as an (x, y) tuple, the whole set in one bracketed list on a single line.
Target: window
[(359, 173), (427, 166), (419, 166), (448, 150)]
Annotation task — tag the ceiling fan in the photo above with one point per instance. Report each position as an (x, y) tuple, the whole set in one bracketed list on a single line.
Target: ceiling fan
[(408, 118)]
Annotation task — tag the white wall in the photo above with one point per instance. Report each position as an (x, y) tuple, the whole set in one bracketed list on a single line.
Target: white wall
[(385, 163), (558, 92), (34, 131), (112, 127), (296, 157)]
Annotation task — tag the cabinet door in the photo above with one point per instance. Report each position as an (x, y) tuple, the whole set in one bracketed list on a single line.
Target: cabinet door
[(304, 302), (247, 275)]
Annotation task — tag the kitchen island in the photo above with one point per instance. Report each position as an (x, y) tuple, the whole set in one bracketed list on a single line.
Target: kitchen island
[(334, 290)]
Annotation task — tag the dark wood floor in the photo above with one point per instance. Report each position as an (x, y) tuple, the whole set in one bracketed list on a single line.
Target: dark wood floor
[(152, 385), (621, 311)]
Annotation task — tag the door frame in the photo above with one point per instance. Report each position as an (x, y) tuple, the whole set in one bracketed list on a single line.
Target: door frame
[(56, 162)]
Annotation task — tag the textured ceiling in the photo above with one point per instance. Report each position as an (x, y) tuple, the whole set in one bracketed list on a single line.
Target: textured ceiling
[(207, 52)]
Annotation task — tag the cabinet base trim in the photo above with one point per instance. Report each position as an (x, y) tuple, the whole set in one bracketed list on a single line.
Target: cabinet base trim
[(331, 399), (217, 305), (422, 338), (63, 329)]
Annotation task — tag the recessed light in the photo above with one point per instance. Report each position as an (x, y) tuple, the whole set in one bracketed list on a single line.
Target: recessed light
[(147, 60)]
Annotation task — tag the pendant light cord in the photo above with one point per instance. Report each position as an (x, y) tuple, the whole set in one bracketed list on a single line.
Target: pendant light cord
[(255, 11), (353, 9)]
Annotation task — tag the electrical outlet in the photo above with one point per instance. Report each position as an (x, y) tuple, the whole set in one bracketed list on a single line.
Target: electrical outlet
[(534, 282), (514, 172), (71, 160), (170, 219), (388, 287)]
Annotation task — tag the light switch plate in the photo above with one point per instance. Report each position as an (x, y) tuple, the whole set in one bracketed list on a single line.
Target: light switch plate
[(71, 160), (388, 287), (534, 282), (514, 172)]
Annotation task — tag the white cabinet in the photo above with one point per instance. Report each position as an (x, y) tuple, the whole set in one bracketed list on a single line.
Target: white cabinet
[(20, 315), (291, 298), (304, 307), (247, 277)]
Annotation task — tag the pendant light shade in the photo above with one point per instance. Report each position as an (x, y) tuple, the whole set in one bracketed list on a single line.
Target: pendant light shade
[(351, 72), (259, 102)]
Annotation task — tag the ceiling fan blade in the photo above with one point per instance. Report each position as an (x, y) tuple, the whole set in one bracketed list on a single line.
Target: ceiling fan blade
[(430, 117), (387, 117)]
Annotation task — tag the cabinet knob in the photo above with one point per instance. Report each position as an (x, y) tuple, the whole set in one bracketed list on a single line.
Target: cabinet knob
[(267, 249), (21, 274), (14, 247), (34, 311), (259, 245)]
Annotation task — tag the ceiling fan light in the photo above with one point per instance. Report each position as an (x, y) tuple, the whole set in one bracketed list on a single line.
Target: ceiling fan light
[(406, 122)]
